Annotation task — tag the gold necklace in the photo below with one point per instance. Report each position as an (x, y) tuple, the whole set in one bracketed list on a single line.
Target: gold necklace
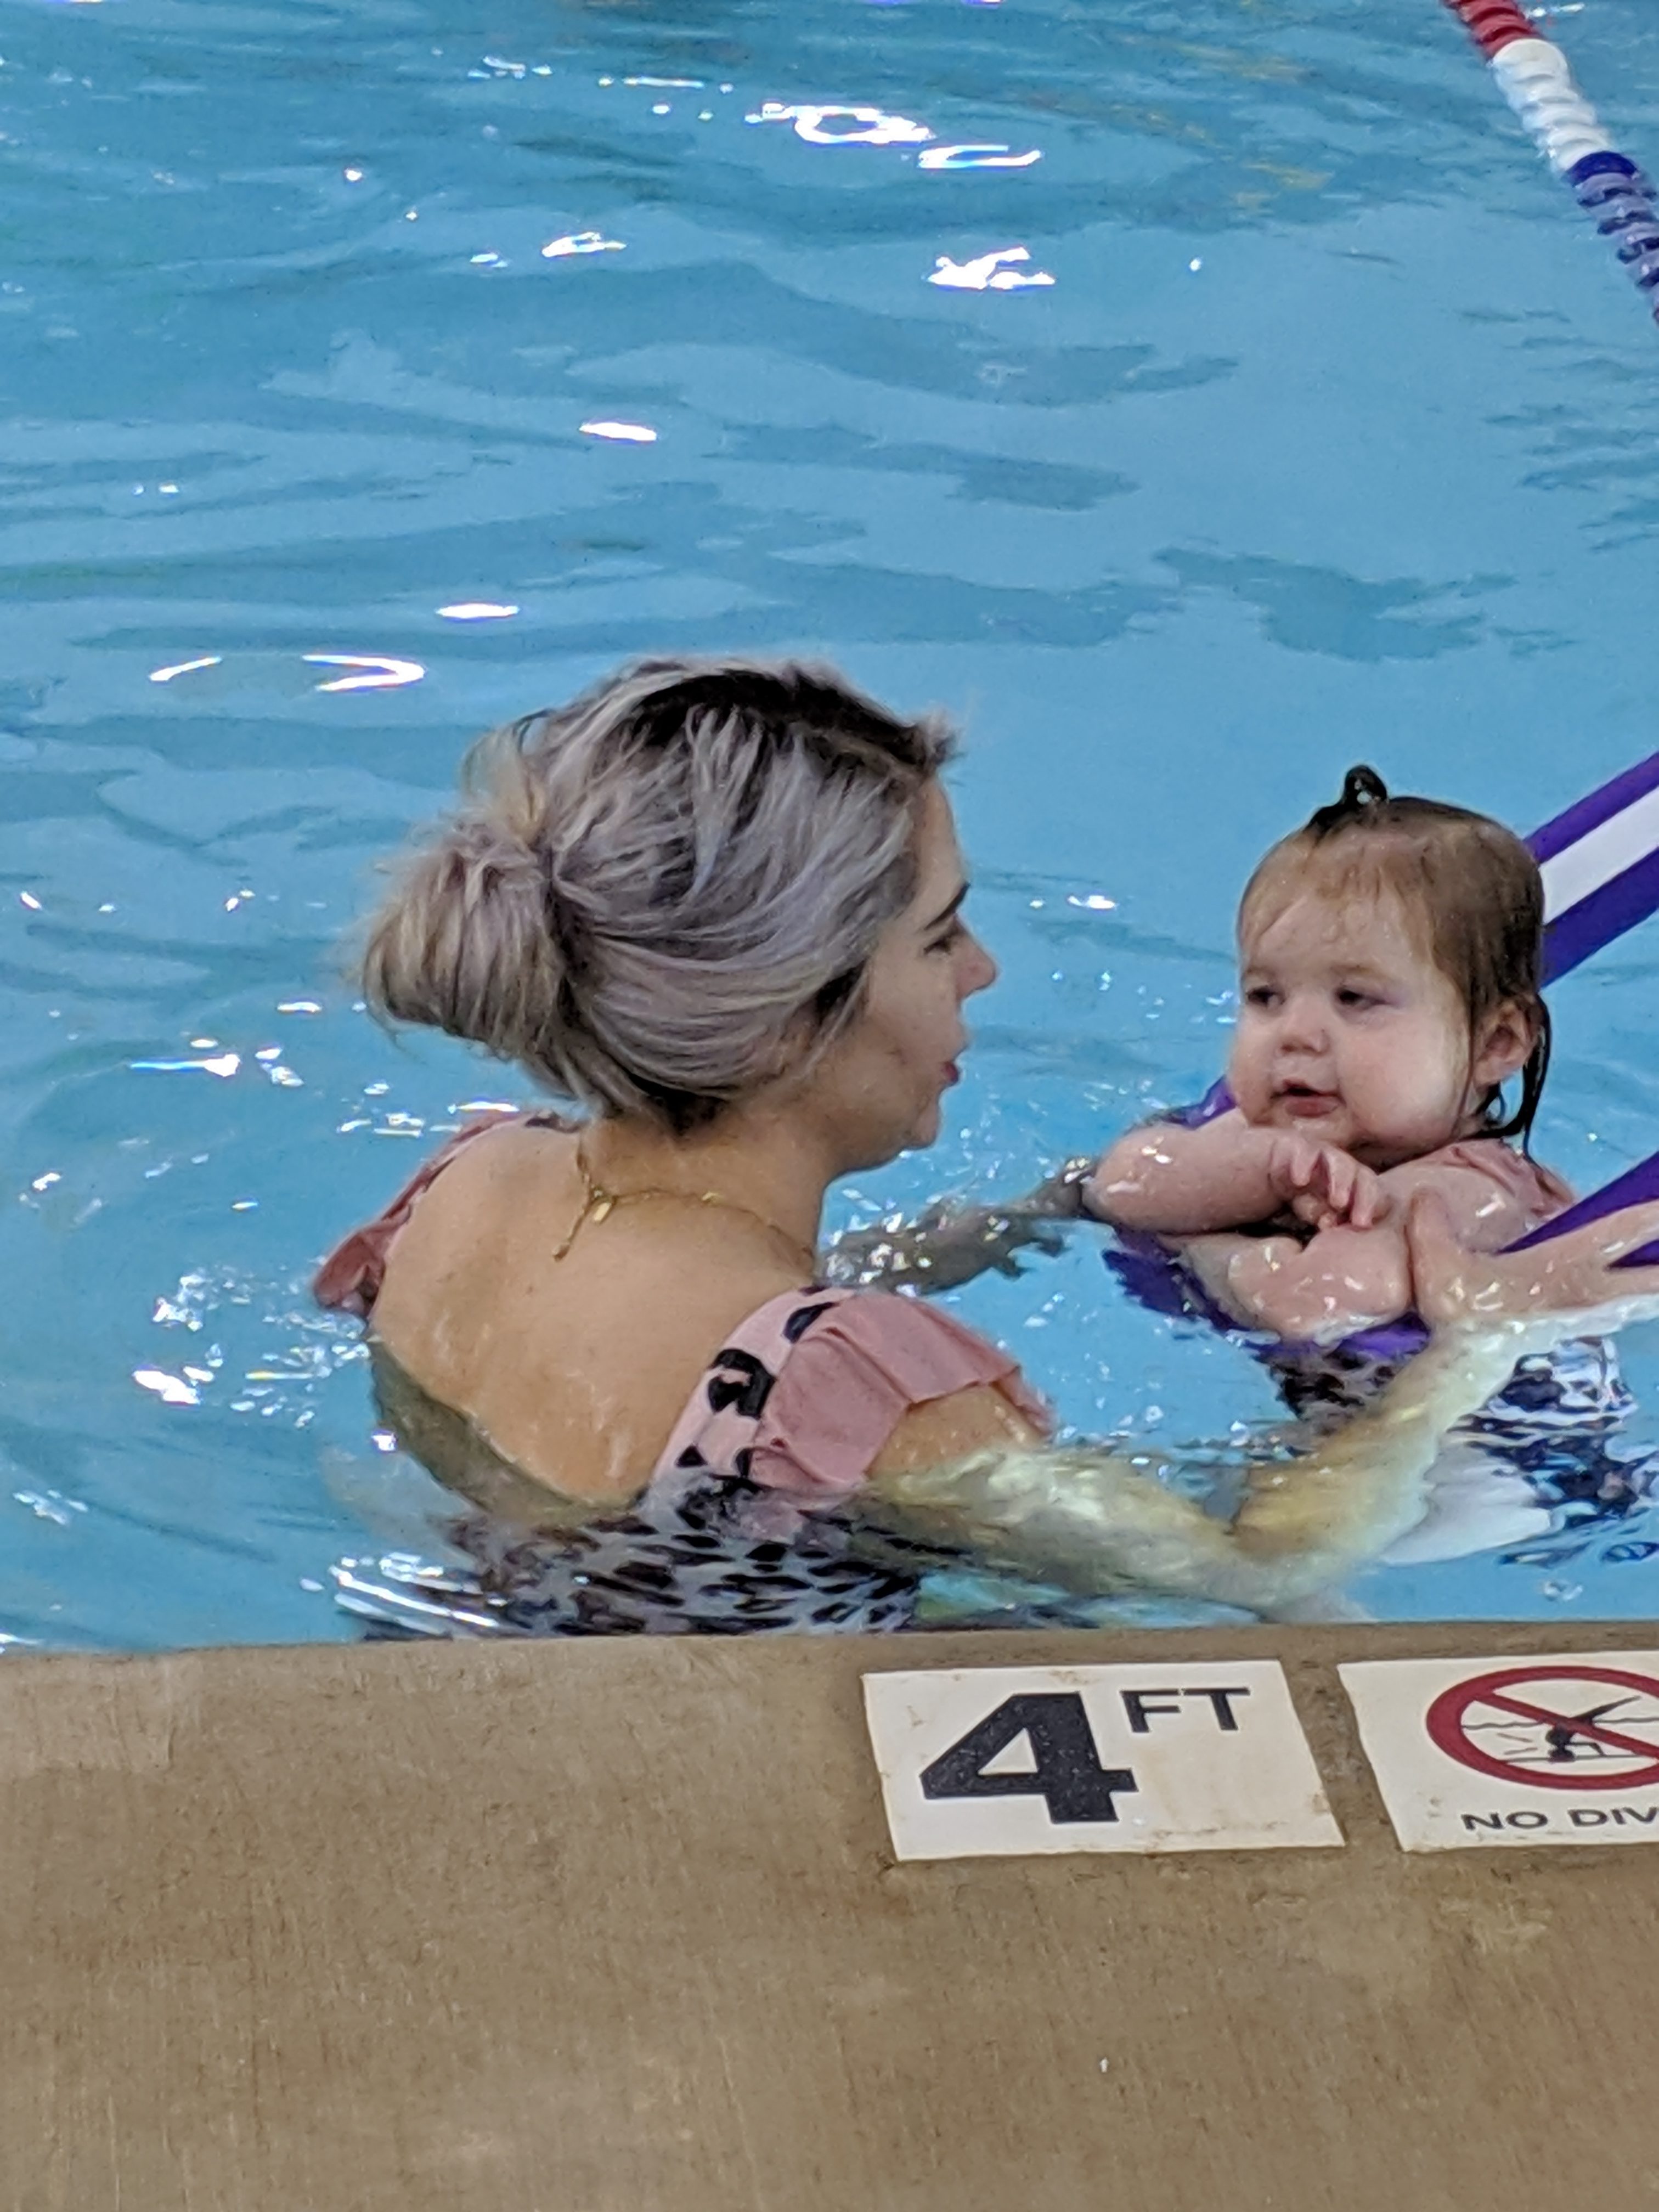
[(597, 1202)]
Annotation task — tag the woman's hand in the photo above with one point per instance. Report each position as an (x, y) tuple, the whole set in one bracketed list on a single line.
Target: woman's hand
[(1548, 1291), (949, 1244), (943, 1248)]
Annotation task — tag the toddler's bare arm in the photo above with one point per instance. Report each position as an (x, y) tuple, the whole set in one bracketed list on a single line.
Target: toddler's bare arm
[(1166, 1181), (1170, 1182), (1347, 1278)]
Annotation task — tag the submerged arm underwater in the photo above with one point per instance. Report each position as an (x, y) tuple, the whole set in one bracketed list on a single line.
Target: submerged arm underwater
[(952, 1243), (1092, 1522), (1089, 1520)]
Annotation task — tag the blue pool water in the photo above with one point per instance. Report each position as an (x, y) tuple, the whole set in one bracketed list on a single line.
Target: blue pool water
[(1331, 438)]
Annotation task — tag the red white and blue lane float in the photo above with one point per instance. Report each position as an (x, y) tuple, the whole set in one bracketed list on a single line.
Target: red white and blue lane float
[(1534, 76)]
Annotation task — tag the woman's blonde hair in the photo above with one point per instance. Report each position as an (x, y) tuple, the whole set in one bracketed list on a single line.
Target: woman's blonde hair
[(660, 896)]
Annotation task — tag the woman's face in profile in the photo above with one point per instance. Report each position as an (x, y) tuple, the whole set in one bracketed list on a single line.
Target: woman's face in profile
[(880, 1087)]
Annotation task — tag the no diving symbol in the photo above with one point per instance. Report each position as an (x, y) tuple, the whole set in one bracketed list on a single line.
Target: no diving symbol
[(1553, 1727)]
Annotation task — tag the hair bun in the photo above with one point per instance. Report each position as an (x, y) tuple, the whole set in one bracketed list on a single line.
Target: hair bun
[(464, 943), (655, 898)]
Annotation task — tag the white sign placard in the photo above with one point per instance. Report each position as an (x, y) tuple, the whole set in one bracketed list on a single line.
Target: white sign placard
[(1559, 1749), (1178, 1756)]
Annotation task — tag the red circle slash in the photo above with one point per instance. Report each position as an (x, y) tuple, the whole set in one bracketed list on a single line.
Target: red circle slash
[(1505, 1692)]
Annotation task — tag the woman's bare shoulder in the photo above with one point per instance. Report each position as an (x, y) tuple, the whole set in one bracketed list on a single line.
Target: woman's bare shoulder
[(576, 1360), (520, 1164), (503, 1228)]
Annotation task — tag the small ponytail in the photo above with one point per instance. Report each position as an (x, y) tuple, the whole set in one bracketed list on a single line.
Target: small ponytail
[(1363, 789)]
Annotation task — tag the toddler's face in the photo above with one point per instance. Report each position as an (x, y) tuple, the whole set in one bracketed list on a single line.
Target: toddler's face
[(1348, 1032)]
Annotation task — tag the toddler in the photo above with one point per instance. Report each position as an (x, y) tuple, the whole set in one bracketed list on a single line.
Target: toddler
[(1389, 960)]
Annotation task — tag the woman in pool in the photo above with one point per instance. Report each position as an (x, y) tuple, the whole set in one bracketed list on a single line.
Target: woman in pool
[(718, 907)]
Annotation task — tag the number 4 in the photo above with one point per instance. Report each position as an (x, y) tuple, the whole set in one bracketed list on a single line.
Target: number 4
[(1068, 1775)]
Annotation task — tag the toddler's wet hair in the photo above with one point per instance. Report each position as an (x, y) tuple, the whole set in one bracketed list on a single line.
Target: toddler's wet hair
[(1469, 883)]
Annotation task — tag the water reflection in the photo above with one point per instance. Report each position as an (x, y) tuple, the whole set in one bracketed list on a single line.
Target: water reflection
[(185, 667), (975, 157), (854, 126), (373, 672), (581, 241), (1328, 439), (1000, 271)]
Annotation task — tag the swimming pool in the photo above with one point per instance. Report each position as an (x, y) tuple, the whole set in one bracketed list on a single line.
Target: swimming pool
[(324, 330)]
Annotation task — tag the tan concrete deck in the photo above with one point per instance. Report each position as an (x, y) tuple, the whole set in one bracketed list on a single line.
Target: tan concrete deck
[(615, 1928)]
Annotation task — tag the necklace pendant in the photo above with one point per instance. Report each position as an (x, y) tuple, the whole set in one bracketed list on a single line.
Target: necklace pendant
[(603, 1203)]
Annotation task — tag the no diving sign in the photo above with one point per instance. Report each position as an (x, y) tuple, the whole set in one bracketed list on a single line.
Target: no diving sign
[(1170, 1756), (1562, 1749)]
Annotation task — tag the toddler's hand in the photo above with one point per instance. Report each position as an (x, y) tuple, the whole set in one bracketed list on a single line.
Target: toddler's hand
[(1323, 1186)]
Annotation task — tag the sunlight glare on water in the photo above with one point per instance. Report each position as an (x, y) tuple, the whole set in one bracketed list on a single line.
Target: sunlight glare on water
[(1193, 400)]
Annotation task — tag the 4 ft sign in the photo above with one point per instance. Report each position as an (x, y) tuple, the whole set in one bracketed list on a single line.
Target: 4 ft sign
[(1160, 1758), (1063, 1765)]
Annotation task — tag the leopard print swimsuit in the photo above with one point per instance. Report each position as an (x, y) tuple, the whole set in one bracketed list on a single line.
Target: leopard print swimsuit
[(749, 1524)]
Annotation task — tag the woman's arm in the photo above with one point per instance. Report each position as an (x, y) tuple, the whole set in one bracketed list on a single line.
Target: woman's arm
[(950, 1245), (1161, 1178), (1092, 1522)]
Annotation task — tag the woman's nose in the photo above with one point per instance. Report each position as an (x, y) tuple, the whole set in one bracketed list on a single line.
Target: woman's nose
[(978, 971)]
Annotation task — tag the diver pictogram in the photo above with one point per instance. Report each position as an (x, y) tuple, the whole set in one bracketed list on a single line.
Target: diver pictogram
[(1553, 1726)]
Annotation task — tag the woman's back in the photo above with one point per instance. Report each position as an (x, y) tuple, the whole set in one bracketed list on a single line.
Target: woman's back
[(662, 1426), (575, 1368)]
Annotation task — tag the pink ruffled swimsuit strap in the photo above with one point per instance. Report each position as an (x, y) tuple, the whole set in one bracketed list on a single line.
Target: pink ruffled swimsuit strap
[(804, 1396)]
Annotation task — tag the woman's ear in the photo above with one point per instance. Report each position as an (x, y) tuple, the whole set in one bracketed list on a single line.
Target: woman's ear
[(1504, 1044)]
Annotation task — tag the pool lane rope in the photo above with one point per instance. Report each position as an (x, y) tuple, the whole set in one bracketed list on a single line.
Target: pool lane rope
[(1534, 77)]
